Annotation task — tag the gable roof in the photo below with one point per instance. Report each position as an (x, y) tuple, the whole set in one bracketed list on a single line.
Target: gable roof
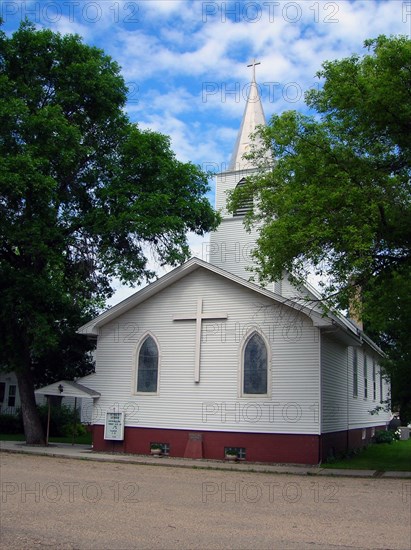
[(67, 388), (344, 327)]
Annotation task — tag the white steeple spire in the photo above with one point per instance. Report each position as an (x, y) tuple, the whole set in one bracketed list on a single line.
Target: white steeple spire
[(253, 116)]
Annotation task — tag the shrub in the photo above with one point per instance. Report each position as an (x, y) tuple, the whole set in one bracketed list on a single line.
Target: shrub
[(69, 430), (60, 418), (384, 436), (11, 424), (61, 422)]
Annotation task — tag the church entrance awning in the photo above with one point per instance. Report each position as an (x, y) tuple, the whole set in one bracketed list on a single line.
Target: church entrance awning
[(66, 388)]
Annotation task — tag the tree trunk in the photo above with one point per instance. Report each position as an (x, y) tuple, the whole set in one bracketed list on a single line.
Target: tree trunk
[(33, 429)]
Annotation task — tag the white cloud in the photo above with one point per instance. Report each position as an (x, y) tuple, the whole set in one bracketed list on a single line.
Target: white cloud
[(170, 50)]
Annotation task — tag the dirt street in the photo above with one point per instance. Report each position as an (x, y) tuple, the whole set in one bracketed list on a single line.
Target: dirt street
[(74, 504)]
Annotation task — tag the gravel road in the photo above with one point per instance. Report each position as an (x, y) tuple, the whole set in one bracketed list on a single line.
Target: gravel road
[(72, 504)]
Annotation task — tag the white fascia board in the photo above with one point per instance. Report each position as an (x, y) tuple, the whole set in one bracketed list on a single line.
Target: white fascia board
[(318, 320), (243, 172), (69, 389), (137, 298)]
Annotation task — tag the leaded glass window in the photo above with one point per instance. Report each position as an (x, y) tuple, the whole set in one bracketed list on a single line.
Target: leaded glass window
[(147, 366), (255, 366)]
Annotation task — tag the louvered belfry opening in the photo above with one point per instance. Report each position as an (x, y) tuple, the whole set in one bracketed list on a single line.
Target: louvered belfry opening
[(246, 205)]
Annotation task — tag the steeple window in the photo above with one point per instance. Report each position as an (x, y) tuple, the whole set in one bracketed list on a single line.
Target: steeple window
[(246, 205)]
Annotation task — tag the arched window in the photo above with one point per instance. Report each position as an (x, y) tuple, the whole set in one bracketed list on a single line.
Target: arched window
[(147, 366), (255, 366), (246, 205)]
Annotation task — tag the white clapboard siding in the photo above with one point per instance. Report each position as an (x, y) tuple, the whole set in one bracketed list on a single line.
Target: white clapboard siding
[(214, 403), (231, 247), (361, 406), (333, 384), (340, 409), (10, 388)]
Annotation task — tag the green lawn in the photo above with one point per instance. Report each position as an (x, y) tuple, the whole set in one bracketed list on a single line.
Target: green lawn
[(83, 439), (395, 456)]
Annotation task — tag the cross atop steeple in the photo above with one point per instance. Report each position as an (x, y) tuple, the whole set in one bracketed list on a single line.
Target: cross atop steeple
[(253, 116), (253, 64)]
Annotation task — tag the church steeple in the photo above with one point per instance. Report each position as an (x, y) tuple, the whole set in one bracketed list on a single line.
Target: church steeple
[(253, 116), (231, 244)]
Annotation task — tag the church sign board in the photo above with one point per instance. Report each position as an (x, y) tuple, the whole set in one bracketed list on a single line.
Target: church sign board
[(114, 426)]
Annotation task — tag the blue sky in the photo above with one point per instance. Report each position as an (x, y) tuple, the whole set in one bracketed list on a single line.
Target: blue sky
[(185, 61)]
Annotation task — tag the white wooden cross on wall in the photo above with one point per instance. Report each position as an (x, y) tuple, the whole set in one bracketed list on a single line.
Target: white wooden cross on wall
[(198, 318)]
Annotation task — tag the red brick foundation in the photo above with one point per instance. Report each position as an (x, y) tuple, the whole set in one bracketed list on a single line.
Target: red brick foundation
[(280, 448), (286, 448)]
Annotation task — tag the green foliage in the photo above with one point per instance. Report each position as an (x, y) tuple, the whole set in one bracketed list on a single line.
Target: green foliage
[(336, 198), (11, 424), (82, 192), (346, 455), (231, 451), (61, 418), (77, 430), (384, 436)]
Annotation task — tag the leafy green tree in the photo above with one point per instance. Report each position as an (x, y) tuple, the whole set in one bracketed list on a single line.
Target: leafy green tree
[(83, 191), (391, 324), (332, 193)]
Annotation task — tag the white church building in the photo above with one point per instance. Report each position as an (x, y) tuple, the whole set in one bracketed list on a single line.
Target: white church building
[(202, 360)]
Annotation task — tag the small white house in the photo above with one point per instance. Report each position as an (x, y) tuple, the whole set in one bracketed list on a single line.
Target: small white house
[(9, 393), (202, 360), (10, 401)]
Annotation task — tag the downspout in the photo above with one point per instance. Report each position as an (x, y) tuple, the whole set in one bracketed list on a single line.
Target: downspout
[(320, 399), (348, 406)]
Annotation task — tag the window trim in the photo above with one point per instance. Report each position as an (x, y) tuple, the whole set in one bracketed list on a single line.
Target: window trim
[(12, 395), (365, 374), (147, 334), (2, 392), (246, 338)]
